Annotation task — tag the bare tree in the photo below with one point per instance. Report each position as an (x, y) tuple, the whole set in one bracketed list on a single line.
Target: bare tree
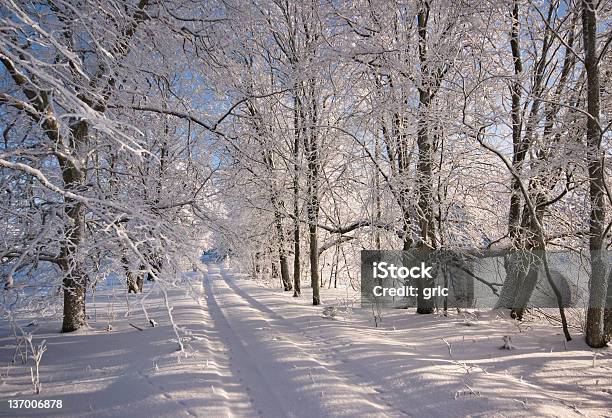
[(595, 335)]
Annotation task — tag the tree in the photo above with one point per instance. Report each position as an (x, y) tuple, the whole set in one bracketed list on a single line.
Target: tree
[(595, 335), (93, 173)]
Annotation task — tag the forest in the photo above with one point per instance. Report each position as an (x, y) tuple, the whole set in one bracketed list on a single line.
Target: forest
[(280, 138)]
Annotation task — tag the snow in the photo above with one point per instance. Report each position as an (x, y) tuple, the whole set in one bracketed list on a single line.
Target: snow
[(255, 351)]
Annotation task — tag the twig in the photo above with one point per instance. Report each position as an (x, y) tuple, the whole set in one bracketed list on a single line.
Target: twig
[(450, 351), (137, 327)]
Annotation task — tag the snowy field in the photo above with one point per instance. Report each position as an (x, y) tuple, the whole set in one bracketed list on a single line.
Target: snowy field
[(254, 351)]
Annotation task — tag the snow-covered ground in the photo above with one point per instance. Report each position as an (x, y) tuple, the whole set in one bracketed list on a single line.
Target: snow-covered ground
[(255, 351)]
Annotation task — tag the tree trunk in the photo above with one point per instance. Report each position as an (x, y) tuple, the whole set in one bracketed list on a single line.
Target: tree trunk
[(131, 281), (312, 156), (425, 159), (284, 267), (518, 153), (74, 301), (608, 311), (515, 273), (314, 264), (378, 205), (75, 281), (285, 278), (296, 196), (274, 269), (598, 286)]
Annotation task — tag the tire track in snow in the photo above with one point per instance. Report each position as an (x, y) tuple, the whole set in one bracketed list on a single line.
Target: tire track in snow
[(263, 396), (351, 369), (341, 394), (215, 391), (228, 400)]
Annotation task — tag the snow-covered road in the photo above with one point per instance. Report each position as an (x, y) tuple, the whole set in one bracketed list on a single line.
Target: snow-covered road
[(293, 362), (286, 372)]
